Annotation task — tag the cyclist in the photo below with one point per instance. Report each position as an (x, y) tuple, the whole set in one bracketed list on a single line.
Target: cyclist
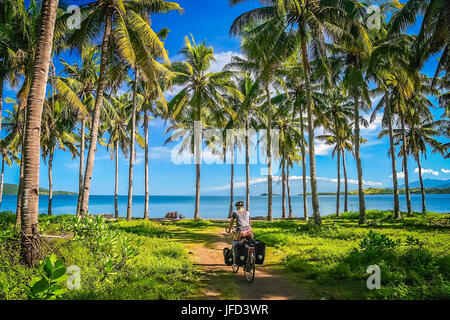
[(243, 225)]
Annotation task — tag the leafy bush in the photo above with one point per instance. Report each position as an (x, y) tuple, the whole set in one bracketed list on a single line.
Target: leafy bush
[(48, 285)]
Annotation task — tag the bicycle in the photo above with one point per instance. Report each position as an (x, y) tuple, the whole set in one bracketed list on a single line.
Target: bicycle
[(250, 264)]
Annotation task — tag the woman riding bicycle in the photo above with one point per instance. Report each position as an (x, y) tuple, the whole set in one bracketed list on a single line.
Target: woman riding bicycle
[(243, 225)]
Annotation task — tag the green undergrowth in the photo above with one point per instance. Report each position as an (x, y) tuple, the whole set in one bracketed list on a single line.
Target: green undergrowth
[(119, 260), (412, 255)]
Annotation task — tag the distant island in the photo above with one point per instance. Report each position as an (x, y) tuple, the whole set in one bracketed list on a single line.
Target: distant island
[(12, 189), (371, 191), (273, 194)]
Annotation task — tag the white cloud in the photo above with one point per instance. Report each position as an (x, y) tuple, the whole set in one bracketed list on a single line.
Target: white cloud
[(322, 149), (445, 171), (427, 171), (222, 59), (400, 175)]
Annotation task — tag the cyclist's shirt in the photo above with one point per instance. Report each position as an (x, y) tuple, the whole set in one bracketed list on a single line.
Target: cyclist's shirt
[(242, 220)]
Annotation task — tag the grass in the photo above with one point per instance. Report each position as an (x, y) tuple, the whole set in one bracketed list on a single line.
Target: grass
[(159, 269), (327, 262), (334, 258)]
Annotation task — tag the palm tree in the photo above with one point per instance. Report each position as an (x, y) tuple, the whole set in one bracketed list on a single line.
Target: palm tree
[(127, 29), (265, 45), (309, 19), (252, 97), (355, 48), (202, 93), (8, 155), (77, 90), (36, 97), (119, 137), (335, 119), (433, 34), (56, 132)]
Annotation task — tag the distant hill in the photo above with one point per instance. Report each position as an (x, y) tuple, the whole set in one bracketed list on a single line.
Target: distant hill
[(9, 188), (429, 183), (370, 191)]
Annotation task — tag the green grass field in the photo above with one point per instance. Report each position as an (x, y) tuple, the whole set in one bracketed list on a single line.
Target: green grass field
[(150, 260)]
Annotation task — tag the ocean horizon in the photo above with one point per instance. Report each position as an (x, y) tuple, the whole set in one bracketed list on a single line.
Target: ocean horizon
[(216, 207)]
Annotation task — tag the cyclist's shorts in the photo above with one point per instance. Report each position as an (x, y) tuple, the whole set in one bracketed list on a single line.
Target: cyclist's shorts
[(242, 234)]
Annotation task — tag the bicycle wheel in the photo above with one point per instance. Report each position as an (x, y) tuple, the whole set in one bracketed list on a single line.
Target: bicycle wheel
[(234, 266), (249, 269)]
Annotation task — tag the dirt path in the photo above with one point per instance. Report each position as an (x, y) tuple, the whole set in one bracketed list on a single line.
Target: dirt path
[(221, 283)]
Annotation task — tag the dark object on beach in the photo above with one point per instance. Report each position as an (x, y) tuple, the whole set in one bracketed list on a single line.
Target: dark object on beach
[(174, 215), (259, 218), (107, 216)]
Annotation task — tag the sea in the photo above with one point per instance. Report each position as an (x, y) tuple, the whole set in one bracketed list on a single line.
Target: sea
[(216, 207)]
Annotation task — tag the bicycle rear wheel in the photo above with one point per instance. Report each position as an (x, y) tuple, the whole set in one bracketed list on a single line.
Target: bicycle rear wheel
[(249, 268)]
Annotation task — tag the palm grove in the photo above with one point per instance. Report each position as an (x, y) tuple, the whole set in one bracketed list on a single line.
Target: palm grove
[(305, 64)]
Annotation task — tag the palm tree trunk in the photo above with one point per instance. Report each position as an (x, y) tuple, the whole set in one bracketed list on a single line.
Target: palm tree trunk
[(50, 183), (269, 157), (96, 118), (345, 182), (1, 180), (247, 167), (397, 213), (291, 212), (81, 167), (303, 149), (116, 180), (312, 155), (230, 211), (132, 148), (30, 199), (362, 204), (197, 192), (146, 165), (283, 190), (405, 167), (20, 189), (422, 189), (338, 192)]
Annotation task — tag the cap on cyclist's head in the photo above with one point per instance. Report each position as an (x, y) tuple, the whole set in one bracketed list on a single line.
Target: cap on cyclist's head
[(239, 204)]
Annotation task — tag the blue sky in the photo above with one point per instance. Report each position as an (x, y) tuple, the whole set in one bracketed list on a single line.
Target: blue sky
[(210, 20)]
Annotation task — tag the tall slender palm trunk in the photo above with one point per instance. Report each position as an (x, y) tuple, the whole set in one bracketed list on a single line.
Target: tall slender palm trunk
[(269, 156), (146, 165), (344, 166), (304, 183), (22, 164), (132, 148), (96, 118), (197, 192), (30, 239), (422, 189), (247, 166), (288, 185), (312, 154), (116, 180), (283, 190), (405, 167), (81, 166), (362, 204), (338, 192), (230, 211), (1, 180), (50, 183), (397, 213)]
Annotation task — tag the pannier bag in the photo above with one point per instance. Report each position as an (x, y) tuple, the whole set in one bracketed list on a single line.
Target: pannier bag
[(240, 253), (228, 256), (260, 251)]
